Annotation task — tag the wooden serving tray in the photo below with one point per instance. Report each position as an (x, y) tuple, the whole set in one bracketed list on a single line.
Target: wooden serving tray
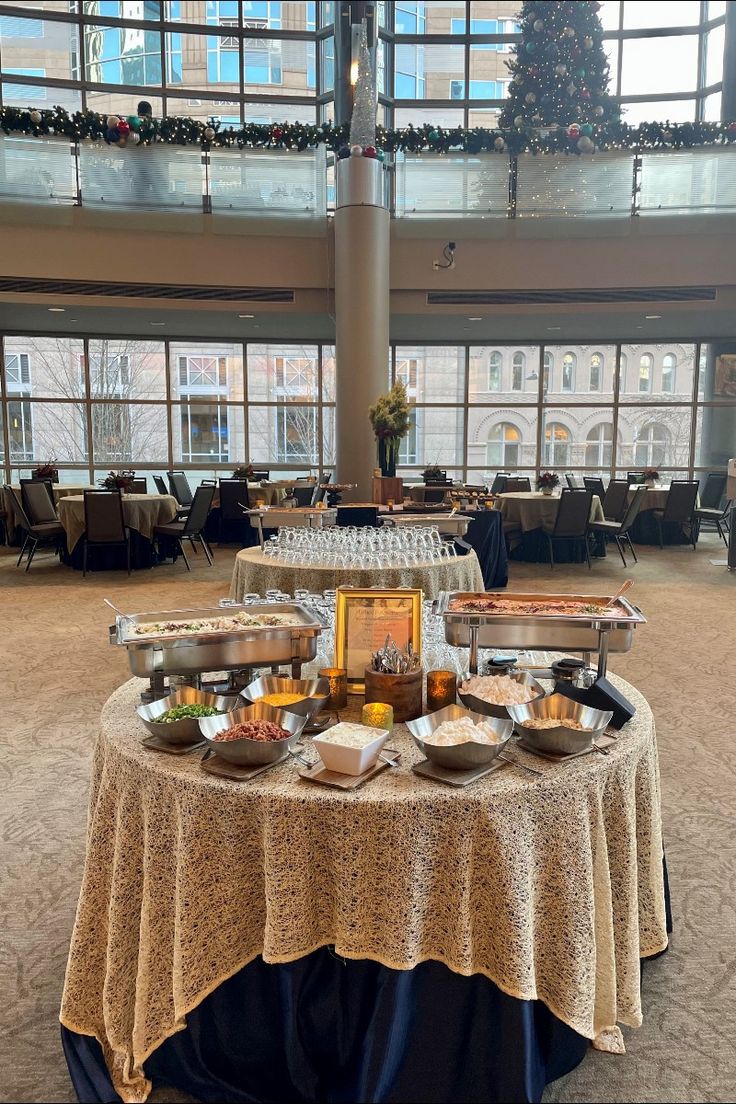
[(221, 768), (428, 769), (319, 773), (156, 743), (558, 757)]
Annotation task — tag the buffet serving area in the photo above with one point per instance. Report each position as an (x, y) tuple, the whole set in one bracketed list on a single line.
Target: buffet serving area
[(318, 817)]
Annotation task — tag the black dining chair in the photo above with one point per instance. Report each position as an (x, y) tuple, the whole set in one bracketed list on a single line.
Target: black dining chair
[(139, 485), (259, 476), (303, 493), (679, 509), (160, 484), (573, 482), (634, 477), (36, 534), (104, 524), (518, 483), (616, 500), (48, 490), (319, 492), (38, 501), (192, 528), (361, 516), (498, 486), (594, 483), (234, 504), (619, 531), (713, 510), (571, 521), (180, 488)]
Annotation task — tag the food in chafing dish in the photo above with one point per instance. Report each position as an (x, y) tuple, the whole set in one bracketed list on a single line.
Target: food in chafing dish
[(462, 731), (183, 712), (253, 730), (279, 700), (349, 735), (231, 623), (492, 604), (498, 689), (553, 722)]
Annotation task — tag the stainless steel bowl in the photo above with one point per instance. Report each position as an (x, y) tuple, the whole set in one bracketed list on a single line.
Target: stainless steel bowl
[(315, 693), (252, 753), (560, 740), (487, 708), (459, 756), (185, 731)]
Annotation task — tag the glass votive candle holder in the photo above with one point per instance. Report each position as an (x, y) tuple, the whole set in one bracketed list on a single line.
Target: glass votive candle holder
[(378, 715), (338, 680), (441, 689)]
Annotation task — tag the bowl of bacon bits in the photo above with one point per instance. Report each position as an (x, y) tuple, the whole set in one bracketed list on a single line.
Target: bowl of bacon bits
[(252, 736)]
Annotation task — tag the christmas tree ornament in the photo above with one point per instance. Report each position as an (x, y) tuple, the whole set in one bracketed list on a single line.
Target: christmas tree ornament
[(356, 150), (538, 25), (36, 117), (370, 151), (134, 122), (536, 119), (588, 42), (380, 155), (569, 32), (530, 98), (531, 47), (598, 111), (585, 93), (585, 145), (571, 89), (586, 129), (112, 121), (580, 72), (519, 121), (560, 70), (124, 127), (573, 131), (209, 133), (277, 133), (518, 79), (667, 135), (134, 137), (343, 152), (499, 144), (113, 135), (433, 135)]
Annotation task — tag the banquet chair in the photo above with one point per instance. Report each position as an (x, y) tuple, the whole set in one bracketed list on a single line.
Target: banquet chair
[(139, 485), (571, 522), (619, 530), (161, 484), (234, 504), (104, 524), (359, 516), (43, 533), (48, 491), (259, 476), (192, 528), (635, 477), (594, 483), (319, 492), (713, 510), (180, 488), (616, 500), (303, 494), (498, 486), (517, 483), (572, 481), (679, 509), (38, 501), (208, 482)]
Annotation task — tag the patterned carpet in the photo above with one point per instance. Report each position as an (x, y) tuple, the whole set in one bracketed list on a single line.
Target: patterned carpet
[(58, 670)]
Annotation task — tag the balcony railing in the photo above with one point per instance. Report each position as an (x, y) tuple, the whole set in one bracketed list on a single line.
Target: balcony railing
[(284, 183)]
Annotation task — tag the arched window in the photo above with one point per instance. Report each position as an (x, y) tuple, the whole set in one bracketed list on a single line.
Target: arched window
[(494, 371), (549, 365), (502, 448), (599, 446), (668, 372), (556, 445), (646, 363), (596, 372), (650, 448), (517, 372), (568, 372)]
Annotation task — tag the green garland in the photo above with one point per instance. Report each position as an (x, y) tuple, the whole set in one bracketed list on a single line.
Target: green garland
[(90, 125)]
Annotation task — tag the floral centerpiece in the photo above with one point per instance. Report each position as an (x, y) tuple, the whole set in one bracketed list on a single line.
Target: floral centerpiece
[(650, 476), (48, 470), (391, 421), (244, 471), (548, 481), (118, 480), (433, 474)]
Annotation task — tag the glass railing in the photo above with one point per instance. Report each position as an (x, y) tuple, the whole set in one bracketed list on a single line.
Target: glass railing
[(285, 183)]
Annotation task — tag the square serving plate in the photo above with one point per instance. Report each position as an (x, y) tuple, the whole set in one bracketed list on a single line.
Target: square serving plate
[(319, 773), (433, 771)]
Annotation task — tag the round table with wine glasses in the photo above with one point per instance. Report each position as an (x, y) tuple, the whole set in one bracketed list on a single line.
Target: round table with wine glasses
[(323, 559)]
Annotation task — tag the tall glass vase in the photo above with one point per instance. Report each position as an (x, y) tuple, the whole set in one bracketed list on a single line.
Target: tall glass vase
[(387, 456)]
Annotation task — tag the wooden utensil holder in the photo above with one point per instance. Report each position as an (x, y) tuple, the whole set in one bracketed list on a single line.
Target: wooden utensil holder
[(403, 692)]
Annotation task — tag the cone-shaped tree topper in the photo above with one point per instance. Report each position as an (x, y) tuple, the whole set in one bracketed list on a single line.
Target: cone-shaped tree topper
[(363, 121)]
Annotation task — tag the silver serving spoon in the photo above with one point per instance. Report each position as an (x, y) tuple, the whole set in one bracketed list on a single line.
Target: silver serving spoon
[(385, 759), (626, 585), (516, 763), (125, 616)]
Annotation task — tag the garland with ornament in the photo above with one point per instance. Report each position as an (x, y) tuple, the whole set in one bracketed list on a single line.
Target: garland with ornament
[(90, 126)]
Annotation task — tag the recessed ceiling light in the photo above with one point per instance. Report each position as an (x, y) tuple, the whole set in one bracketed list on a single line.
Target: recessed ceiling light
[(554, 327), (652, 315), (57, 310), (246, 316), (475, 318), (156, 323)]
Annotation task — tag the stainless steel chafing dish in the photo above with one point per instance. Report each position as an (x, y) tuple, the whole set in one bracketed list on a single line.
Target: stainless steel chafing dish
[(192, 653), (580, 632)]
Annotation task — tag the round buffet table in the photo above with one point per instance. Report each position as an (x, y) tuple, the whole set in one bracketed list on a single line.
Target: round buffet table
[(275, 939), (255, 573)]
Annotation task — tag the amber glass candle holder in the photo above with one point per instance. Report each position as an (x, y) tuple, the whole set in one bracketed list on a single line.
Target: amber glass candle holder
[(338, 680), (378, 715), (441, 689)]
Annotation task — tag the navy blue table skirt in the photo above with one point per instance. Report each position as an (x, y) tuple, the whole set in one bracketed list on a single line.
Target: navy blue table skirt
[(485, 535), (324, 1030)]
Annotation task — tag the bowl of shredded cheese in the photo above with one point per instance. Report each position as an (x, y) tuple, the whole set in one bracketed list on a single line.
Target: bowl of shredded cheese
[(305, 697), (460, 739)]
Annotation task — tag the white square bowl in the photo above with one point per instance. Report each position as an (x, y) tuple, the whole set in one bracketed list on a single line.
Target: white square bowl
[(350, 760)]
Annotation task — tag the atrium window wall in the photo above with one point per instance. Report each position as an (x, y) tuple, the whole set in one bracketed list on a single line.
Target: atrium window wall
[(100, 403), (239, 61), (446, 59)]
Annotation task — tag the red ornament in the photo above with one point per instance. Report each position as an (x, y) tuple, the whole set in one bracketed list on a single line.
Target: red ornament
[(277, 133), (585, 94), (124, 127), (731, 127), (370, 151)]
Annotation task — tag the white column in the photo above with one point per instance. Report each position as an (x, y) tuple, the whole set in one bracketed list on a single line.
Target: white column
[(362, 294)]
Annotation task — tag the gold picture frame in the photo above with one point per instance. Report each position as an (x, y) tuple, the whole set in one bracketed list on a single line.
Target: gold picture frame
[(364, 618)]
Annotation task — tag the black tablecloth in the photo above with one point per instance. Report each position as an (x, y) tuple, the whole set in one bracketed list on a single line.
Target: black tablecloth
[(533, 548), (645, 531), (485, 536)]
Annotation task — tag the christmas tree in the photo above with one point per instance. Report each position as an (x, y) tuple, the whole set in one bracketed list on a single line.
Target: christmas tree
[(560, 72)]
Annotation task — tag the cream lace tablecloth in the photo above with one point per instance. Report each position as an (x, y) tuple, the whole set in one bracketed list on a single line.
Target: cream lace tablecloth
[(141, 512), (655, 498), (60, 490), (528, 510), (255, 573), (550, 885)]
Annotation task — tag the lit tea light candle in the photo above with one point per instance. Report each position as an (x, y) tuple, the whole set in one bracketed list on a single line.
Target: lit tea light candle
[(441, 689), (338, 680), (378, 715)]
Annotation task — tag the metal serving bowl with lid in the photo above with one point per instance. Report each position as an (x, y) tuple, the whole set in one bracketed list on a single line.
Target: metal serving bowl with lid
[(459, 756), (246, 752), (185, 731), (561, 739)]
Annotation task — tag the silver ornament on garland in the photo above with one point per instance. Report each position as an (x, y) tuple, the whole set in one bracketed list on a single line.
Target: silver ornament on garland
[(209, 133), (598, 111), (538, 25), (569, 32), (519, 121), (134, 137), (585, 144), (588, 42), (356, 150), (36, 117), (560, 70), (530, 98), (499, 144)]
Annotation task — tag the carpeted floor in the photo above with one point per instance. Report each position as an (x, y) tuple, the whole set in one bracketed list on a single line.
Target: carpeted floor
[(57, 670)]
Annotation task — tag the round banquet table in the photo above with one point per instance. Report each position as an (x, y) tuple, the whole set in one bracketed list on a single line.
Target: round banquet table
[(255, 573), (279, 940), (59, 490), (645, 529), (141, 513), (531, 511)]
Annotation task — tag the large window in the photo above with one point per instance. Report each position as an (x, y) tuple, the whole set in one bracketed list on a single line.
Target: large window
[(504, 441)]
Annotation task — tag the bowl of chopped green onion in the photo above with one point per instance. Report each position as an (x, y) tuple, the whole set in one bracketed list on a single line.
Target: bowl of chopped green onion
[(175, 719)]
